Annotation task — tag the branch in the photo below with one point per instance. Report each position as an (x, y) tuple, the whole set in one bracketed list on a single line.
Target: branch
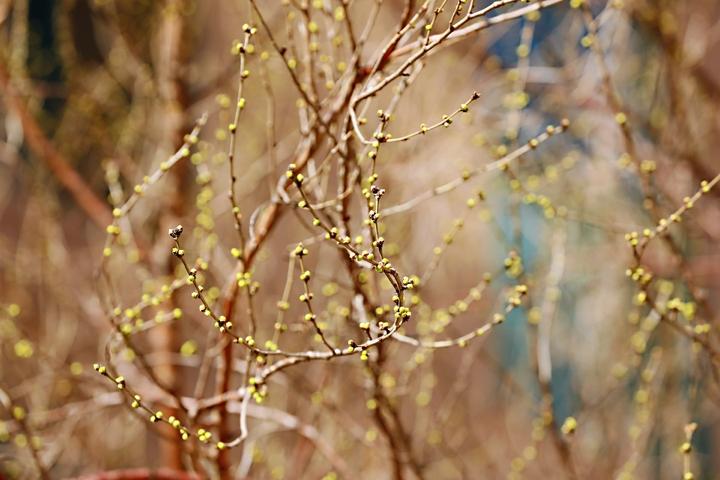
[(42, 147)]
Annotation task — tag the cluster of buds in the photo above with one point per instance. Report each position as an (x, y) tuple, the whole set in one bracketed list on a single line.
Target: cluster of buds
[(306, 297), (244, 279), (513, 264), (372, 178), (632, 238), (223, 324), (639, 275), (203, 435), (569, 426), (241, 48), (366, 255), (687, 309), (515, 298), (297, 178), (257, 389), (384, 266), (380, 137), (408, 283), (249, 341), (249, 29), (157, 416), (383, 325), (177, 425), (377, 191), (192, 276), (402, 313), (344, 240), (175, 232), (331, 233), (300, 251)]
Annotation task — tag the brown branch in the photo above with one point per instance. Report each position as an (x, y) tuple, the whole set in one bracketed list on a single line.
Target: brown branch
[(171, 57), (42, 147), (140, 474)]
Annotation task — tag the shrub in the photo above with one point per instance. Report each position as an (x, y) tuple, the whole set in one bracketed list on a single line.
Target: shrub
[(419, 239)]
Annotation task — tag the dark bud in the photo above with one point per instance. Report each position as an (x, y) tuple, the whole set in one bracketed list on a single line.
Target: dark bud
[(175, 232)]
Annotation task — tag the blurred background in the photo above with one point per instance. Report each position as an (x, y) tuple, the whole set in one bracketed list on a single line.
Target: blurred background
[(594, 376)]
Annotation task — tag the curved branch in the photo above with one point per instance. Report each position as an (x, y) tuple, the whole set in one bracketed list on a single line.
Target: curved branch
[(42, 147)]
